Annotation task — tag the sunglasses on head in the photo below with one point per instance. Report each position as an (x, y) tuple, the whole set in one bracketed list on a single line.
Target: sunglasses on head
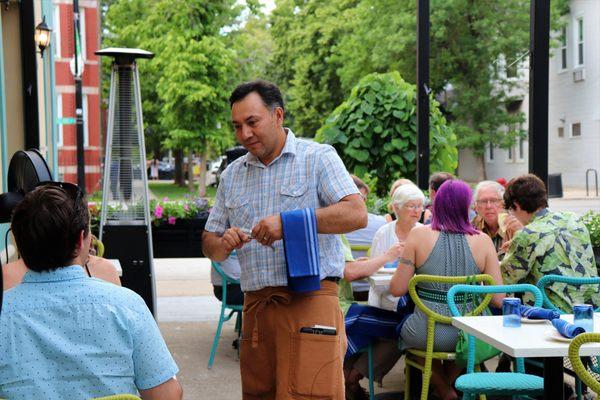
[(72, 190)]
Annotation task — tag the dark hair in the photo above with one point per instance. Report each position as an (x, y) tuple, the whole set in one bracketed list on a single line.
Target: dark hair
[(360, 184), (268, 92), (451, 208), (46, 226), (527, 190), (436, 179)]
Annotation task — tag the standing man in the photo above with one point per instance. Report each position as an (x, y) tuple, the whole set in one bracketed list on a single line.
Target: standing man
[(282, 173)]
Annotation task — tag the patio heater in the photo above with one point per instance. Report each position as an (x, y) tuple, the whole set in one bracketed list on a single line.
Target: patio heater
[(125, 224)]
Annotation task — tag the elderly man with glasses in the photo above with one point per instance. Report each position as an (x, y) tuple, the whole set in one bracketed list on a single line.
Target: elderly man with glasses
[(489, 206)]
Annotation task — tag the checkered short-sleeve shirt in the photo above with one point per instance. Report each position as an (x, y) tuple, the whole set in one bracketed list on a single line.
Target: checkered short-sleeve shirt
[(305, 175)]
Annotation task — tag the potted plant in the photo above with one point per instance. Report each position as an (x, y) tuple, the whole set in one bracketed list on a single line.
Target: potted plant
[(177, 226), (591, 220)]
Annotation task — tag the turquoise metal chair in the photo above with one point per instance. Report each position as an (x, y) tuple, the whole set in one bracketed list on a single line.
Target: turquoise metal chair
[(495, 383), (232, 309), (569, 280)]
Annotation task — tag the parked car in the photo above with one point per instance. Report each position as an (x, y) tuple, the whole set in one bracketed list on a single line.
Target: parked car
[(230, 156)]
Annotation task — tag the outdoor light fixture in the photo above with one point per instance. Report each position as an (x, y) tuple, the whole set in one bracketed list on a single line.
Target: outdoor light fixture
[(42, 36)]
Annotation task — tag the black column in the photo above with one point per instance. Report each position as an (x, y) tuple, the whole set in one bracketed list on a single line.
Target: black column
[(31, 111), (538, 88), (78, 98), (423, 93)]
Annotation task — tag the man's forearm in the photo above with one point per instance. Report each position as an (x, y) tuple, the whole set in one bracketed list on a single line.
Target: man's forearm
[(342, 217), (212, 247)]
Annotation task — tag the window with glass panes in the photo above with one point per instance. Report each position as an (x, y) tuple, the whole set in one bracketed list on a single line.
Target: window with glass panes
[(580, 41), (563, 48)]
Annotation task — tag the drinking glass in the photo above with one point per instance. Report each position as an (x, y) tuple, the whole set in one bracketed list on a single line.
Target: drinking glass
[(511, 311), (583, 316)]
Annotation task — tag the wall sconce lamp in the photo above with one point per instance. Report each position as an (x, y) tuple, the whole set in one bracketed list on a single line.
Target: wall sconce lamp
[(42, 36)]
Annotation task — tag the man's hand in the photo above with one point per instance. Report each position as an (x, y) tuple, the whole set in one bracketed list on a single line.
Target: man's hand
[(234, 238), (511, 226), (395, 252), (268, 230)]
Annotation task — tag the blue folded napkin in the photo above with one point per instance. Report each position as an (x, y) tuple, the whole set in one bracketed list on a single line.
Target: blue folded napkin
[(538, 313), (567, 329), (301, 247)]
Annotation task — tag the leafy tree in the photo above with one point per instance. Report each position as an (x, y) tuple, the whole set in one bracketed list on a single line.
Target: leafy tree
[(374, 131), (185, 86), (470, 39), (304, 34)]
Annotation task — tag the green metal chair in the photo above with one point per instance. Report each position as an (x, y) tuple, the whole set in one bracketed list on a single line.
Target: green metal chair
[(580, 369), (119, 397), (361, 247), (432, 318), (495, 383), (569, 280), (232, 309)]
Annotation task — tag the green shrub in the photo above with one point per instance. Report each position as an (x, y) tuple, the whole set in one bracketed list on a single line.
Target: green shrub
[(591, 220), (375, 131)]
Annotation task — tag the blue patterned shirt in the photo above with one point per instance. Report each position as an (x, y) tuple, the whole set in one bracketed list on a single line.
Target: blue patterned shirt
[(64, 335), (304, 175)]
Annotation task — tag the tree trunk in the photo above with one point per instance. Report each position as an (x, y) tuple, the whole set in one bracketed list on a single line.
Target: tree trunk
[(190, 165), (202, 183), (179, 177), (481, 171)]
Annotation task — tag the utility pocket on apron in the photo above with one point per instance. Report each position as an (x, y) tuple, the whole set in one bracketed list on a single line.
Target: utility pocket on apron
[(314, 362)]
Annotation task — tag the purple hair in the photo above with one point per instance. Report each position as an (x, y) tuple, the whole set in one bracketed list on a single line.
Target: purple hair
[(451, 208)]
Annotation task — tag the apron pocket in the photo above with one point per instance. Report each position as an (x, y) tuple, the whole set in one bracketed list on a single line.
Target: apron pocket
[(315, 361)]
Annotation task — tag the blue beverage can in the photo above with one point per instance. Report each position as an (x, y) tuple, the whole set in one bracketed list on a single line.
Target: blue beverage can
[(583, 316), (511, 312)]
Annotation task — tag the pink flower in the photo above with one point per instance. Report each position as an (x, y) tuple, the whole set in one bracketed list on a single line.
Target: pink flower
[(186, 207), (158, 212), (171, 220), (165, 199)]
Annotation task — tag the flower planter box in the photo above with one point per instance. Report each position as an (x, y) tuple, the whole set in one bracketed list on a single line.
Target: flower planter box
[(181, 240)]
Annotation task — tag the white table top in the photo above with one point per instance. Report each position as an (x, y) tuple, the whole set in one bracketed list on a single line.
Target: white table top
[(380, 280), (529, 340), (117, 264)]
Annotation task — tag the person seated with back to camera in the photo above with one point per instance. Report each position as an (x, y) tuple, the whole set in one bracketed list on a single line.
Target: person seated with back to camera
[(97, 267), (387, 247), (449, 246), (84, 337)]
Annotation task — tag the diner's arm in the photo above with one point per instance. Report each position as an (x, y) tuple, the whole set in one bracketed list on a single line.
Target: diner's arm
[(354, 270), (519, 258), (169, 390), (406, 264)]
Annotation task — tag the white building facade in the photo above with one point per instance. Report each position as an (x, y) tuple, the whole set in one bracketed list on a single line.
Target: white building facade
[(573, 110)]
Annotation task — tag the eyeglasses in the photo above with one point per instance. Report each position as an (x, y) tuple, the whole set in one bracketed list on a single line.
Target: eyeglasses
[(413, 207), (489, 202), (73, 191)]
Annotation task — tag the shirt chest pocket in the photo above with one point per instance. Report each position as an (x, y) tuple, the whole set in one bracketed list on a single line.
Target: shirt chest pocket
[(240, 211), (295, 196)]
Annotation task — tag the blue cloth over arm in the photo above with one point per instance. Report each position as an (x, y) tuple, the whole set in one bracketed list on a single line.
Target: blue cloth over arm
[(301, 247)]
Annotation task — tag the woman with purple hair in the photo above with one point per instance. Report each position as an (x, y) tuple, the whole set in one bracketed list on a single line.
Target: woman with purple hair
[(450, 246)]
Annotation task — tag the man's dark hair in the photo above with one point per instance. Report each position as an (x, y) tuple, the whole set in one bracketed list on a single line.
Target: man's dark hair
[(436, 179), (46, 226), (527, 190), (360, 184), (268, 92)]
